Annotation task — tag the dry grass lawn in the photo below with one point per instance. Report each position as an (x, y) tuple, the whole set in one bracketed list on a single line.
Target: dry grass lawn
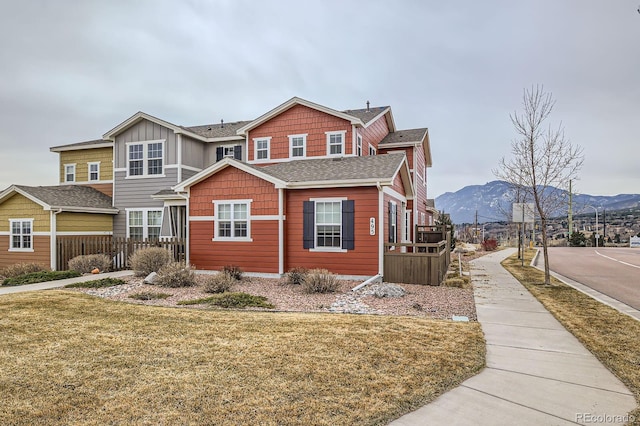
[(613, 337), (69, 358)]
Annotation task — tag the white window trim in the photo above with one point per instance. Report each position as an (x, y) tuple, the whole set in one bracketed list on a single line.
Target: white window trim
[(372, 150), (93, 163), (359, 146), (315, 226), (145, 219), (20, 249), (394, 224), (216, 235), (145, 159), (73, 165), (255, 150), (304, 145), (406, 234), (343, 134)]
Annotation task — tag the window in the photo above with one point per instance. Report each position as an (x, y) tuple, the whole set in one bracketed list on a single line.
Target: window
[(262, 149), (94, 171), (144, 224), (145, 158), (232, 220), (328, 224), (229, 151), (372, 150), (393, 222), (359, 146), (335, 143), (21, 234), (407, 225), (69, 172), (297, 146)]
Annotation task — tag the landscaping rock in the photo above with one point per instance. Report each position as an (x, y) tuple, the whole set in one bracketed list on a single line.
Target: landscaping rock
[(389, 290), (151, 278)]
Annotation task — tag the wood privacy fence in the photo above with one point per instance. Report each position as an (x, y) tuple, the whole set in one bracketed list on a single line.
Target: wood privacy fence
[(118, 249), (423, 262)]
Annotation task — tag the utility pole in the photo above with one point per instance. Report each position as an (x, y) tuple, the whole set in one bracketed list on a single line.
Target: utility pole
[(570, 211)]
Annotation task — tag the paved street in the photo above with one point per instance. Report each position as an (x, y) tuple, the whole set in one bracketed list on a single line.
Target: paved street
[(612, 271)]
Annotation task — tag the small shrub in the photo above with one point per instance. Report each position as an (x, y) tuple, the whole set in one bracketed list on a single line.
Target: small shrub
[(39, 277), (101, 283), (219, 283), (234, 271), (148, 260), (232, 300), (490, 245), (320, 281), (297, 275), (87, 263), (21, 269), (148, 295), (175, 274), (456, 282)]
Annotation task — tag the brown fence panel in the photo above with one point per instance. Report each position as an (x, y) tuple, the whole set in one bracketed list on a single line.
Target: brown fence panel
[(410, 263), (118, 249)]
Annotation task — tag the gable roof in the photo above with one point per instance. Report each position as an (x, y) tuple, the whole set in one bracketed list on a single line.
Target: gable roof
[(70, 198), (220, 130), (409, 137), (321, 172), (359, 117), (96, 143)]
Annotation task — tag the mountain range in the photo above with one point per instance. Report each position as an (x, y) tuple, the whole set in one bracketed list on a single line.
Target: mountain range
[(492, 201)]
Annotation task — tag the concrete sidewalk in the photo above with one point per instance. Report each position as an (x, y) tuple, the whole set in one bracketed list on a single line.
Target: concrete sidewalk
[(60, 283), (537, 372)]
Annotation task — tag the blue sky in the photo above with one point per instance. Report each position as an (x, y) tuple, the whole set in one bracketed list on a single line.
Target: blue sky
[(72, 70)]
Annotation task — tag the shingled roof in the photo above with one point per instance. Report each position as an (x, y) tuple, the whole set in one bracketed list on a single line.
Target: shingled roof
[(219, 130), (410, 136), (95, 143), (366, 114), (377, 167), (66, 197)]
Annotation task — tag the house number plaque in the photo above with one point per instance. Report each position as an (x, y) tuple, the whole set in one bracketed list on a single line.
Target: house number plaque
[(372, 226)]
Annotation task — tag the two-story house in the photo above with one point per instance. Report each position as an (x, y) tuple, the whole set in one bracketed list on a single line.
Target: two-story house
[(301, 185)]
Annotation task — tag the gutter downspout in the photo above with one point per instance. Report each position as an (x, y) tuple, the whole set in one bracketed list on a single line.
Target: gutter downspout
[(53, 247), (380, 229)]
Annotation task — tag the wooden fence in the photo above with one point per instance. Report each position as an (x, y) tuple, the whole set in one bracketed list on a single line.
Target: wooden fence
[(423, 262), (118, 249)]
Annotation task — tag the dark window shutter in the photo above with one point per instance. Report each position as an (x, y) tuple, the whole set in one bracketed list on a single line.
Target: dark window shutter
[(219, 153), (237, 152), (348, 225), (308, 222)]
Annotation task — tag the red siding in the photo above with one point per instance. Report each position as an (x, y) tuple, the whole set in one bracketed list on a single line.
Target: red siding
[(300, 119), (260, 255), (361, 261), (374, 133), (41, 253)]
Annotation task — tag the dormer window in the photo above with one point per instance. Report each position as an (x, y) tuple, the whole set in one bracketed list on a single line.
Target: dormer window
[(335, 143)]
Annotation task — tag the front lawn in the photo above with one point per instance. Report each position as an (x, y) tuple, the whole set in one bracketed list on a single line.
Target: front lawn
[(68, 358)]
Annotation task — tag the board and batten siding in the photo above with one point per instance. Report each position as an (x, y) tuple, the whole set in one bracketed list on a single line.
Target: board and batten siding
[(81, 158), (193, 153), (300, 119), (363, 260), (142, 131), (259, 255)]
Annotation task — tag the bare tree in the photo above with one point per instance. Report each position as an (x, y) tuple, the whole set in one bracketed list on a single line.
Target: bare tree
[(543, 160)]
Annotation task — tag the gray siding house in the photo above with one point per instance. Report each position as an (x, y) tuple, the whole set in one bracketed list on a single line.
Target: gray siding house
[(149, 157)]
